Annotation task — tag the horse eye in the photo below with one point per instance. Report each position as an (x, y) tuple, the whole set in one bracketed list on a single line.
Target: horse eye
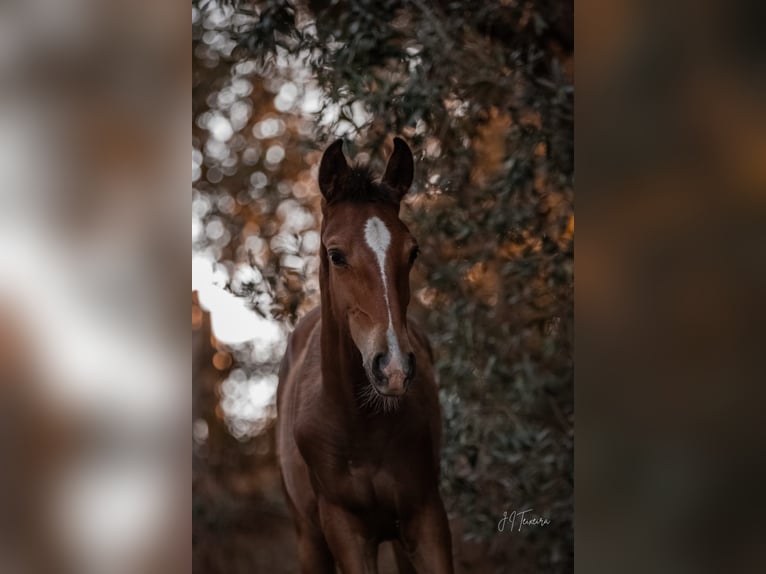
[(414, 254), (337, 258)]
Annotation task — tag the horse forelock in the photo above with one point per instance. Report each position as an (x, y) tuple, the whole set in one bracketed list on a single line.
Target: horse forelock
[(359, 186)]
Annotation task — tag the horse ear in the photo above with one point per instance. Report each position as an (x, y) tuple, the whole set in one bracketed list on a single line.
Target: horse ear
[(332, 169), (400, 169)]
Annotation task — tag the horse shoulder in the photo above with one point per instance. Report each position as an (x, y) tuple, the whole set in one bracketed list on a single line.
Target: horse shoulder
[(421, 339), (303, 381), (426, 380), (296, 351), (293, 383)]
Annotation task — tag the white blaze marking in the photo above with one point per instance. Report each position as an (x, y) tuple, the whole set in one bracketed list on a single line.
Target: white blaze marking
[(378, 238)]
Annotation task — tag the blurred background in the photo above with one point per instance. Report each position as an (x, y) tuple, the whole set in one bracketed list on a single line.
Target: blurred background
[(671, 160), (93, 354), (483, 93)]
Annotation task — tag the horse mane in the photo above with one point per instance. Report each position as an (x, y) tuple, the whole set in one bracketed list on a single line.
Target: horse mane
[(359, 186)]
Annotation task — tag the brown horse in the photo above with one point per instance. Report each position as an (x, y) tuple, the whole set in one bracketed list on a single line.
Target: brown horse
[(359, 422)]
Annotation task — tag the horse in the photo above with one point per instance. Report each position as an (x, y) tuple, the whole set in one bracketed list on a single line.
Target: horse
[(358, 415)]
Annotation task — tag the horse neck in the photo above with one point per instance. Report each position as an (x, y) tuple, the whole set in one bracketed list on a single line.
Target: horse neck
[(342, 369)]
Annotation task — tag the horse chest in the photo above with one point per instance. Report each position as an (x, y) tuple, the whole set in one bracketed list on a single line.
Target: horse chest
[(362, 484), (359, 480), (380, 470)]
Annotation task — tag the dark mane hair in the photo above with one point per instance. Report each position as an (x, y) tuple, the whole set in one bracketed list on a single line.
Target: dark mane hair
[(359, 186)]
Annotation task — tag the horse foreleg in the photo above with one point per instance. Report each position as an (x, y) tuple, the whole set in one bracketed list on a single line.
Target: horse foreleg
[(354, 553), (314, 554), (426, 538), (403, 564)]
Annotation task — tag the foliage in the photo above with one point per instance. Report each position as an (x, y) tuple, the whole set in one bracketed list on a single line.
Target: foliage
[(483, 92)]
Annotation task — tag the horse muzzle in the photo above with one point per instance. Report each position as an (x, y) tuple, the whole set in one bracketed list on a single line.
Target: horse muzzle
[(392, 375)]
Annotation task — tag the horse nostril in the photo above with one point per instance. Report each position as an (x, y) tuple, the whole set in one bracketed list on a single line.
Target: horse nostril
[(377, 365), (410, 366)]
